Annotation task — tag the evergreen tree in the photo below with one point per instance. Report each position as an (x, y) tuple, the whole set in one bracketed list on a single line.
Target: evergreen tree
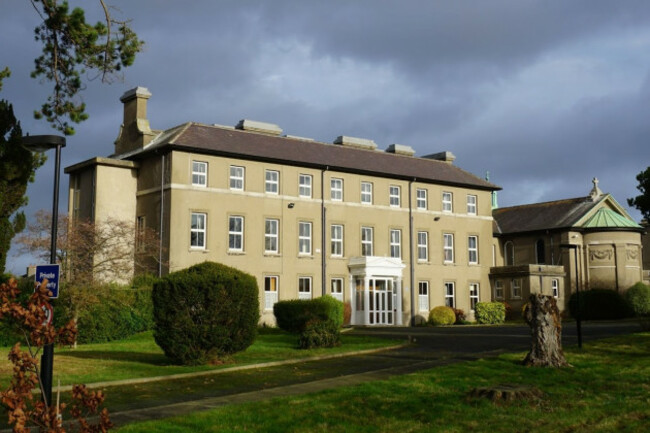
[(642, 201)]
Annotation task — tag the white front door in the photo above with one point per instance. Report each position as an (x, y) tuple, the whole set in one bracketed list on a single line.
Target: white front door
[(381, 301)]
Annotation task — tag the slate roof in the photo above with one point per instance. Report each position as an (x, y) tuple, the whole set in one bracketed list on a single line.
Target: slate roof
[(557, 215), (249, 145)]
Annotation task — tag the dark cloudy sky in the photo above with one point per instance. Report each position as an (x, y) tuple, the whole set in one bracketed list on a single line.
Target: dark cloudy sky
[(545, 95)]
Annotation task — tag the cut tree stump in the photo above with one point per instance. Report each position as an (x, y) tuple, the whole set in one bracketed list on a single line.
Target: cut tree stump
[(507, 393), (543, 317)]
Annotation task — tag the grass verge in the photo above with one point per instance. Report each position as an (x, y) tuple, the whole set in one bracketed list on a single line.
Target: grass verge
[(607, 390)]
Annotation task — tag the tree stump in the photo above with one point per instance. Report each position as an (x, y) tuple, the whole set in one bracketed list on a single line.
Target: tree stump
[(543, 317), (506, 393)]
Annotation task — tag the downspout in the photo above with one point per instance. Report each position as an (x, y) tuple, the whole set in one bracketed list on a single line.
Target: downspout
[(411, 265), (323, 212), (162, 203)]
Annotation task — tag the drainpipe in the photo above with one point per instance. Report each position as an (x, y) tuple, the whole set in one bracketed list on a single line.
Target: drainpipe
[(412, 265), (162, 203), (323, 213)]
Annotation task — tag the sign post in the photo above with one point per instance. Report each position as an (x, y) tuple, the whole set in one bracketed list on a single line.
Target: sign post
[(51, 274)]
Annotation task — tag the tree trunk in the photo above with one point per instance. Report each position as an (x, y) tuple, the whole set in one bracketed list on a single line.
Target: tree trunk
[(543, 317)]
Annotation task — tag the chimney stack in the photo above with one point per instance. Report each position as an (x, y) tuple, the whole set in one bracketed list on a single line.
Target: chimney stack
[(135, 132)]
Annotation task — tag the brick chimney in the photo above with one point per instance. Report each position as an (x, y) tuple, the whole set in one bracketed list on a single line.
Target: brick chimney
[(135, 132)]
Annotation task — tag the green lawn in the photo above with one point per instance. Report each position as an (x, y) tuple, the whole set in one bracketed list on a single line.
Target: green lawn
[(140, 357), (607, 390)]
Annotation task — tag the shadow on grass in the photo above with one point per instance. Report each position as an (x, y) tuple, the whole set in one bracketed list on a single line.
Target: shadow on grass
[(157, 359)]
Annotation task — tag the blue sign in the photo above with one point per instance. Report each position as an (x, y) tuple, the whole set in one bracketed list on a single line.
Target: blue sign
[(51, 274)]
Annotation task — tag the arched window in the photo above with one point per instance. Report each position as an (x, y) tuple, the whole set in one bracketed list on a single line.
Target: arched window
[(540, 252), (509, 253)]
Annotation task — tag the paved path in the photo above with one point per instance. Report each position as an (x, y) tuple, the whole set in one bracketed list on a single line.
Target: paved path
[(430, 347)]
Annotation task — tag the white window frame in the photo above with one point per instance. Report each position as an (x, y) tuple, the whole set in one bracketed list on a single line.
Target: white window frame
[(472, 250), (472, 201), (304, 287), (198, 230), (421, 198), (555, 287), (394, 194), (447, 201), (336, 189), (395, 241), (304, 185), (498, 289), (367, 235), (450, 294), (336, 288), (304, 238), (423, 295), (423, 246), (474, 295), (336, 240), (366, 192), (271, 236), (237, 177), (272, 182), (270, 295), (199, 173), (515, 288), (448, 247), (234, 235)]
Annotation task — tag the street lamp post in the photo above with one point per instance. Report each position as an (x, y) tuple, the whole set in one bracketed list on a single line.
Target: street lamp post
[(575, 247), (42, 143)]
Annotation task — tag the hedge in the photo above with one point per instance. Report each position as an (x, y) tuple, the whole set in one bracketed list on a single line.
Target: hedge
[(599, 304), (317, 321), (205, 313), (490, 313), (442, 316), (638, 298)]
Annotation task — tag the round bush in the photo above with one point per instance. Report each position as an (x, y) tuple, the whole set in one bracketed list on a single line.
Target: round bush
[(599, 304), (490, 313), (638, 298), (442, 316), (205, 312)]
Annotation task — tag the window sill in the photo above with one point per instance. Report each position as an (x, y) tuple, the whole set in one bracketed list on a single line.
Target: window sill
[(270, 254), (236, 253), (305, 256), (199, 250)]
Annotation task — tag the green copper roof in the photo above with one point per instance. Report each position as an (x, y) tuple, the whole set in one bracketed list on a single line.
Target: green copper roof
[(608, 218)]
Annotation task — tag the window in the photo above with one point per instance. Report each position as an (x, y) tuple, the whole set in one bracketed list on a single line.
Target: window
[(304, 185), (447, 202), (140, 231), (366, 193), (272, 181), (236, 233), (336, 232), (471, 204), (540, 252), (337, 288), (236, 178), (421, 198), (423, 246), (304, 288), (304, 238), (366, 241), (555, 287), (472, 250), (509, 253), (270, 292), (336, 189), (271, 227), (449, 295), (199, 173), (473, 296), (423, 295), (394, 195), (515, 289), (396, 243), (448, 247), (498, 289), (197, 230)]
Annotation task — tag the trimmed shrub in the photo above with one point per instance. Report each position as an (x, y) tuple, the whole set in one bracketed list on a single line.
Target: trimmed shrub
[(599, 304), (318, 333), (460, 316), (205, 312), (317, 321), (638, 298), (442, 316), (490, 313)]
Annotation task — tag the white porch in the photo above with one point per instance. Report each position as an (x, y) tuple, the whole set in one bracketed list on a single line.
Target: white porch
[(376, 290)]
